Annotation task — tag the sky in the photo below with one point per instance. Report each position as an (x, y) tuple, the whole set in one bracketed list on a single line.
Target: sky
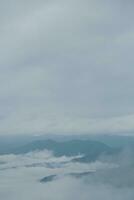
[(66, 67)]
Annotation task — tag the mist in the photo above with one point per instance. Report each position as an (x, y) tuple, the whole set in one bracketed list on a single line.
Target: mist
[(20, 177)]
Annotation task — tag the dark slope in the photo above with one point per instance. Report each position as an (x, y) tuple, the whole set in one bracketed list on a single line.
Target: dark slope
[(53, 177), (90, 149)]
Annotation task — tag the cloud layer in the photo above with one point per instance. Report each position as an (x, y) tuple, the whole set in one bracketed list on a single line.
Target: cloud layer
[(20, 178)]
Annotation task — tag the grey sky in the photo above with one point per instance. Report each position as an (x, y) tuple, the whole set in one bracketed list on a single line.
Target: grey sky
[(66, 66)]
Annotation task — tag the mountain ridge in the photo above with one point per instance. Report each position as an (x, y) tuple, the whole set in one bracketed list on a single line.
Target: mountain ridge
[(90, 149)]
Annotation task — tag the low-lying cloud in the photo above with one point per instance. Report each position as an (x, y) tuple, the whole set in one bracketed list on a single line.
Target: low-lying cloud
[(20, 177)]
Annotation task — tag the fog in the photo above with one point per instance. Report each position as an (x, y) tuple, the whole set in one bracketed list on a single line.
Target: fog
[(20, 177)]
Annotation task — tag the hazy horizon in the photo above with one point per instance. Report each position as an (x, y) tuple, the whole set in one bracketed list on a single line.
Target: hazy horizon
[(66, 100)]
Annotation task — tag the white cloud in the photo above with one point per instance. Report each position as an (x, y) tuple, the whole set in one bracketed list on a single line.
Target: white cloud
[(23, 182)]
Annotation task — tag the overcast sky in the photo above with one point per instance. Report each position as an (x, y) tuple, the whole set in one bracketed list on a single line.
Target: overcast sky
[(66, 66)]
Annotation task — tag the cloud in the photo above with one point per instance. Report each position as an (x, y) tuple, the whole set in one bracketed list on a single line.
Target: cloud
[(23, 182), (66, 64)]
